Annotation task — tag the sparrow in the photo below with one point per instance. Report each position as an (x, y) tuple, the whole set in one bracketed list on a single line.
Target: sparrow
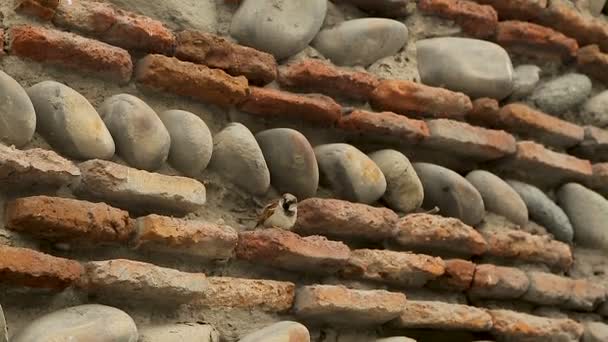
[(281, 213)]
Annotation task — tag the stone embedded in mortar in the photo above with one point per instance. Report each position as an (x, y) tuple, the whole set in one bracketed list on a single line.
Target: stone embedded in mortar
[(284, 331), (595, 332), (562, 93), (16, 111), (525, 79), (3, 328), (595, 110), (179, 332)]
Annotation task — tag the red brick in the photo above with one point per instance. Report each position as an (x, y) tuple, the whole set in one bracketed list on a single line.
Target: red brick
[(516, 9), (593, 62), (409, 98), (287, 250), (498, 282), (535, 40), (71, 52), (515, 326), (43, 9), (384, 124), (442, 316), (594, 145), (458, 276), (586, 295), (26, 267), (342, 306), (599, 179), (197, 81), (313, 75), (484, 112), (476, 20), (217, 52), (548, 289), (272, 103), (345, 220)]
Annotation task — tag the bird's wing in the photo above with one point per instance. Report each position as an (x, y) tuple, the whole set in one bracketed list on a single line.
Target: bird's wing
[(266, 213)]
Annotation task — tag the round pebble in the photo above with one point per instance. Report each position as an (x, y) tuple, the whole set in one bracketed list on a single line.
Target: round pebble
[(595, 110), (588, 212), (350, 173), (361, 41), (238, 157), (69, 122), (525, 79), (544, 211), (451, 193), (91, 322), (291, 160), (18, 116), (404, 190), (282, 29), (595, 332), (281, 331), (562, 94), (191, 141), (499, 197)]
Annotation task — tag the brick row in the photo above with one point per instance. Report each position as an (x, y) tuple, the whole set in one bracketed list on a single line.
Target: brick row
[(442, 316), (476, 20), (594, 146), (42, 9), (384, 126), (516, 9), (534, 40), (515, 326), (593, 62)]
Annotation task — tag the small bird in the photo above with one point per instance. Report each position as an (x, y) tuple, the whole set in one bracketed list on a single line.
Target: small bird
[(281, 213)]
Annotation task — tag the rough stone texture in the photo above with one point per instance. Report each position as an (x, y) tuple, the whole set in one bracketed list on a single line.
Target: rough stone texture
[(432, 233), (594, 146), (342, 306), (313, 75), (534, 40), (594, 112), (71, 52), (43, 9), (217, 52), (197, 81), (595, 332), (515, 326), (287, 250), (517, 9), (591, 61), (251, 294), (345, 220), (17, 111), (525, 80), (586, 295), (499, 282), (2, 53), (409, 98), (398, 268), (66, 219), (272, 103), (476, 20), (484, 112), (562, 93), (442, 316), (201, 239), (140, 190), (285, 331), (458, 276), (548, 289), (139, 280), (26, 267), (179, 332), (384, 124), (387, 8)]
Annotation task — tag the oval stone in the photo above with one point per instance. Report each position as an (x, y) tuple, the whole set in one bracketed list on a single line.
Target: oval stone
[(350, 173), (588, 212), (404, 190), (238, 158), (191, 141), (361, 41), (282, 29), (18, 116), (93, 322), (68, 121), (141, 137), (475, 67), (544, 211), (499, 197), (291, 160), (525, 79), (595, 110), (285, 331), (451, 193), (595, 332), (562, 93)]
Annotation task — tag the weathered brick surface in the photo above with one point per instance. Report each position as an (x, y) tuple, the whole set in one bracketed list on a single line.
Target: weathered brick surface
[(384, 124), (586, 295), (2, 42), (476, 20), (343, 306), (515, 326), (458, 276), (66, 219), (484, 112), (139, 190), (399, 268), (432, 232), (217, 52), (535, 40), (196, 238), (442, 316), (498, 282), (134, 279), (192, 80), (251, 294), (594, 145), (26, 267), (516, 9), (593, 62), (548, 289), (43, 9), (345, 220), (599, 179), (272, 103), (71, 51), (115, 26), (469, 141), (287, 250), (409, 98)]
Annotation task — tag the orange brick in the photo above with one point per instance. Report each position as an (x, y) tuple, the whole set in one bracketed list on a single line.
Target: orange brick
[(498, 282), (71, 51), (414, 99), (457, 277), (599, 179), (192, 80), (586, 295), (535, 40), (476, 20), (442, 316), (266, 102), (484, 112), (25, 267), (548, 289), (516, 326), (594, 145), (313, 75), (593, 62), (43, 9), (384, 124), (516, 9)]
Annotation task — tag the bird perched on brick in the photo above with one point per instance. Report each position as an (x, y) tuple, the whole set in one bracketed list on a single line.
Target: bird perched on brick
[(281, 213)]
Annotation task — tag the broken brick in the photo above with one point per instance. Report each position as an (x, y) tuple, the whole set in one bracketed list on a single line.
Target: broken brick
[(591, 61), (516, 326), (384, 124), (548, 289), (594, 145), (442, 316), (43, 9), (476, 20), (458, 276), (498, 282), (535, 40)]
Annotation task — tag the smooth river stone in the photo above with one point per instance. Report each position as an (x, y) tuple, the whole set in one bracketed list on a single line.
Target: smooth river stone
[(280, 27), (91, 323), (475, 67), (525, 79), (361, 41), (562, 94), (285, 331), (68, 121), (17, 112), (595, 110)]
